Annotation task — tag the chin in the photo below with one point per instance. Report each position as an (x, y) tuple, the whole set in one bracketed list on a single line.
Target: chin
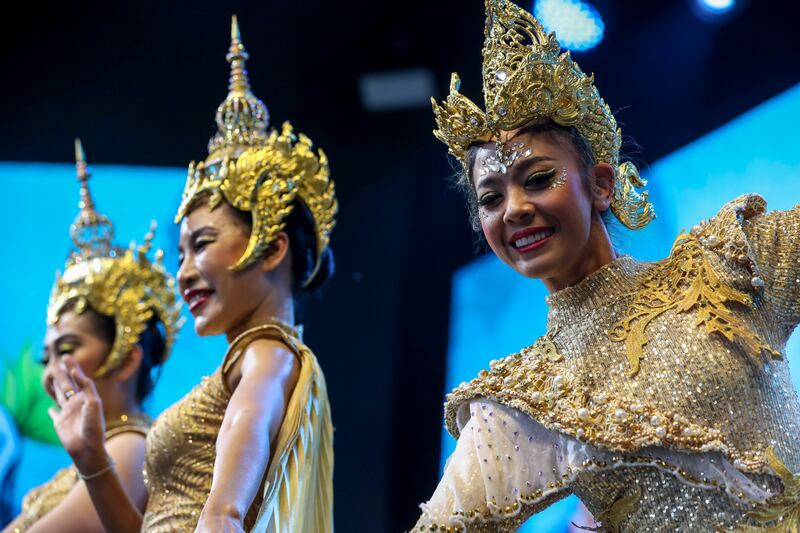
[(538, 268), (205, 327)]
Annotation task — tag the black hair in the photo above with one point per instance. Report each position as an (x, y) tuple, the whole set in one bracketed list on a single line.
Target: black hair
[(303, 245), (151, 340)]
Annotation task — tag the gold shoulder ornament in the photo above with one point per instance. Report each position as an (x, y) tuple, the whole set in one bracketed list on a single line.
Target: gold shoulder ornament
[(686, 281), (123, 284), (525, 77), (258, 170)]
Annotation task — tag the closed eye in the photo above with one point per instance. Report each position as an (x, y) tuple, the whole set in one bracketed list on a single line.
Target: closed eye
[(489, 199), (66, 348), (199, 244)]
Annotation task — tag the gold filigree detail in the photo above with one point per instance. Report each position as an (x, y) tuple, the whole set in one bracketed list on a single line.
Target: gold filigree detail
[(525, 77), (548, 346), (123, 284), (534, 382), (782, 511), (631, 207), (260, 170), (684, 282)]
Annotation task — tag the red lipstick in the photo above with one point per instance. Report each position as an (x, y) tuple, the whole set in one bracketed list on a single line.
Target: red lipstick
[(196, 298), (531, 238)]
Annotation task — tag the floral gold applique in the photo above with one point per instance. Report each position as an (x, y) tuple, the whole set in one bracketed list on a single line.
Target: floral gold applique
[(685, 282)]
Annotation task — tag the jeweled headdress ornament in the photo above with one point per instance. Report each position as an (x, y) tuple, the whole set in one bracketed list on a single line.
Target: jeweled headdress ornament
[(525, 77), (261, 171), (123, 284)]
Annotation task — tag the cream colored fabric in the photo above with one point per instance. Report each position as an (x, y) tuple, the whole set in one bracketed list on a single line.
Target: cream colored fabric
[(298, 496), (503, 454)]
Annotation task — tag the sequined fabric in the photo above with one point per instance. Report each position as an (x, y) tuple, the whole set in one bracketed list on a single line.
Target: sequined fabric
[(296, 493), (711, 378), (43, 499)]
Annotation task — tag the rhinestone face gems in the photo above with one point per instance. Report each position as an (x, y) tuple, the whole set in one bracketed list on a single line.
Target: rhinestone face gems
[(504, 158), (560, 180)]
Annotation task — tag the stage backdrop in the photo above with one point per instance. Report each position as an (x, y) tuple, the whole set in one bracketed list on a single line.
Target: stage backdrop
[(41, 202), (496, 312)]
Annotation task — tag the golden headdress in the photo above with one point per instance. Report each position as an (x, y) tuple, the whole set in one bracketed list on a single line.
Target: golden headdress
[(525, 77), (261, 171), (123, 284)]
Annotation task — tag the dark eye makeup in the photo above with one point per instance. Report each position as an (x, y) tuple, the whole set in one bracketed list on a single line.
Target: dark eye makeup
[(538, 179), (535, 180)]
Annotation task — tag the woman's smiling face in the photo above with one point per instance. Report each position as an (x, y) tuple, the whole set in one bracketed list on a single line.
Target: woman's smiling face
[(211, 241), (539, 208)]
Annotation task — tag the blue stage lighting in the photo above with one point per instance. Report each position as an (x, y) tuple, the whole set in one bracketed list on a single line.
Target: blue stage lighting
[(577, 24), (716, 6)]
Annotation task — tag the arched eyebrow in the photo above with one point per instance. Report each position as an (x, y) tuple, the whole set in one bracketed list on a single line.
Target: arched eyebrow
[(521, 165), (67, 337), (204, 230)]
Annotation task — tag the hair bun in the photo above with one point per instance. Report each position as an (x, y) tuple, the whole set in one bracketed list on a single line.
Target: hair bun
[(326, 269)]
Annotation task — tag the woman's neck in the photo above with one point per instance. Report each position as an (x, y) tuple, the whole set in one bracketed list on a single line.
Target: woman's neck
[(118, 402), (598, 252), (280, 309)]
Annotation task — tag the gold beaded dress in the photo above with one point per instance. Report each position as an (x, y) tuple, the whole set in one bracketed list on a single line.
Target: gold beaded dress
[(296, 493), (660, 394), (43, 499)]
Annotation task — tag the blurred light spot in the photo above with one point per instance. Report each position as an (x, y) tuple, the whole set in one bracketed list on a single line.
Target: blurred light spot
[(396, 90), (577, 24), (716, 6)]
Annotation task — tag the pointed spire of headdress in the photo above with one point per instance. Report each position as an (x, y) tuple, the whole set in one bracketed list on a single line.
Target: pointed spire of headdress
[(92, 232), (237, 56), (242, 119), (83, 173)]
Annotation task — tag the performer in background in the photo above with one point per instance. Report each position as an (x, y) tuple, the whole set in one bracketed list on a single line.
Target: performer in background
[(250, 447), (114, 313), (660, 394)]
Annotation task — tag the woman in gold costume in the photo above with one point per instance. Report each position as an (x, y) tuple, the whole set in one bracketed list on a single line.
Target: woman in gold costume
[(660, 394), (115, 314), (250, 447)]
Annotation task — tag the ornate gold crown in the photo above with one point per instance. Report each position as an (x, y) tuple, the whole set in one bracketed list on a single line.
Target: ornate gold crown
[(122, 284), (261, 171), (526, 78)]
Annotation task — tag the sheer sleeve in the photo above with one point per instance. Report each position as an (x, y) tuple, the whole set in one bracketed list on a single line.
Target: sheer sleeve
[(774, 238), (505, 468)]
